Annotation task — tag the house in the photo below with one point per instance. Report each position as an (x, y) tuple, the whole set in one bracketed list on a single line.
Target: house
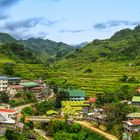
[(14, 80), (132, 116), (136, 100), (132, 125), (28, 86), (3, 83), (14, 89), (76, 94), (7, 115)]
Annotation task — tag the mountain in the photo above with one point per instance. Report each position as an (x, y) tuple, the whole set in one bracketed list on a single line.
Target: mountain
[(123, 45), (44, 50), (47, 47), (81, 45), (4, 37), (17, 52)]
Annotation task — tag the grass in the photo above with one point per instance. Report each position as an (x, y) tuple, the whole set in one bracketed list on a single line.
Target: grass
[(105, 75), (2, 138)]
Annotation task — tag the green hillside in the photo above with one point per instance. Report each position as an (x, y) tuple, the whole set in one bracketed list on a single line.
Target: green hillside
[(44, 50), (96, 67), (4, 37), (47, 48), (123, 45), (100, 64)]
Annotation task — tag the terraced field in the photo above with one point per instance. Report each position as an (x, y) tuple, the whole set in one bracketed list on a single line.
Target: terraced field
[(104, 75)]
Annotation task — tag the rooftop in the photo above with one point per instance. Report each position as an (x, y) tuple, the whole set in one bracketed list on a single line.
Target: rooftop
[(29, 84), (136, 99), (76, 93), (133, 115), (16, 86), (7, 111), (92, 100), (3, 77), (14, 78), (133, 122)]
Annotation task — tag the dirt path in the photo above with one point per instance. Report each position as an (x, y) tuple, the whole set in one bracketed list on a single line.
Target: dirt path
[(19, 108), (89, 126), (51, 96), (42, 134)]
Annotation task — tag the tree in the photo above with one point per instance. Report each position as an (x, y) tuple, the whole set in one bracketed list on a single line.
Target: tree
[(27, 111), (53, 86), (62, 96), (4, 97), (124, 93), (124, 78), (45, 106), (13, 135), (8, 69)]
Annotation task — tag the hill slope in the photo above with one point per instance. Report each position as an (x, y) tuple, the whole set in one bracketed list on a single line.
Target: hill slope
[(47, 48), (101, 63), (43, 49), (123, 45)]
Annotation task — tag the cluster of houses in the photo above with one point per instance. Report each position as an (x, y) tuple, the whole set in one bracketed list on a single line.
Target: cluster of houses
[(11, 87), (97, 116), (15, 85)]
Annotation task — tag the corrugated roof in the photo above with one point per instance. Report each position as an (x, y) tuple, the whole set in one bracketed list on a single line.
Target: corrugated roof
[(3, 77), (136, 99), (14, 78), (135, 122), (29, 84), (76, 93), (92, 100), (133, 115), (7, 111)]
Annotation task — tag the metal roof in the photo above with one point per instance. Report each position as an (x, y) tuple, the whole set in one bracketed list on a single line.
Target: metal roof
[(29, 84), (14, 78), (136, 99), (3, 77), (76, 93), (133, 115)]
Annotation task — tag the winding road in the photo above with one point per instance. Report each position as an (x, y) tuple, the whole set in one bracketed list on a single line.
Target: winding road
[(89, 126)]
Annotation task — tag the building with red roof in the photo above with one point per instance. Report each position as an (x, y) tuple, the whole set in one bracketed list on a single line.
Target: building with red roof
[(92, 100), (7, 115), (132, 125)]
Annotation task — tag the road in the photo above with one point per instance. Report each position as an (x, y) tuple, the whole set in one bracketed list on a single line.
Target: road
[(89, 126), (41, 133), (19, 108)]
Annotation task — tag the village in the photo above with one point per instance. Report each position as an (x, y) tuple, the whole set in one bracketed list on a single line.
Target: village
[(79, 108)]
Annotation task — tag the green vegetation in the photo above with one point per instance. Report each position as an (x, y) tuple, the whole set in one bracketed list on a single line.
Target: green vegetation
[(60, 130), (4, 98), (98, 66), (25, 135), (13, 135), (2, 138), (47, 49), (62, 96), (45, 106), (39, 108), (22, 98)]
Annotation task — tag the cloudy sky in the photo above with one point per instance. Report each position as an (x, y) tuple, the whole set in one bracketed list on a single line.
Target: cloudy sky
[(69, 21)]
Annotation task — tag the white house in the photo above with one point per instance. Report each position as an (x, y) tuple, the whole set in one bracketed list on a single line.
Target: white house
[(8, 116), (3, 83)]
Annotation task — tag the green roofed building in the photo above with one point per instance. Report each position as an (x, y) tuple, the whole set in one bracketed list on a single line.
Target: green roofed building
[(135, 115), (76, 94), (29, 84), (136, 100)]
